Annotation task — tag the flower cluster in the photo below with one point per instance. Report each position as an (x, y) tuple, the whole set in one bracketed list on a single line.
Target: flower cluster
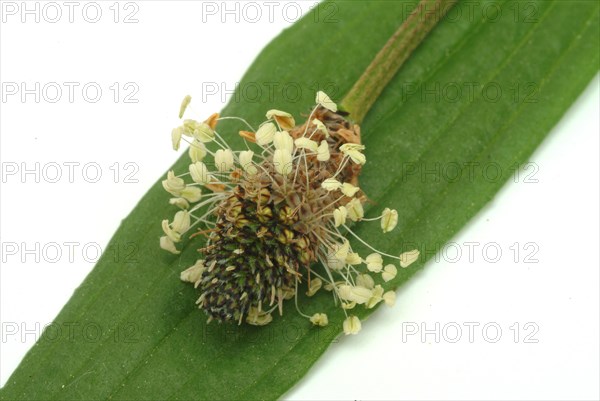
[(270, 213)]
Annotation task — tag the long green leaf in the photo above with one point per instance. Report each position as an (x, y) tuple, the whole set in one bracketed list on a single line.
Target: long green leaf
[(160, 346)]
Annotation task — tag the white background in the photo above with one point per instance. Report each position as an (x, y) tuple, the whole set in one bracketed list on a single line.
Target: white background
[(169, 53)]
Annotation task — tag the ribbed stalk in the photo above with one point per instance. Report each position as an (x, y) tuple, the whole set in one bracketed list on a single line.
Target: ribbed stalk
[(392, 56)]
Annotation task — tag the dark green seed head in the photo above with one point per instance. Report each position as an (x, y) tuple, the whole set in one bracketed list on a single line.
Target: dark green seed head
[(255, 255)]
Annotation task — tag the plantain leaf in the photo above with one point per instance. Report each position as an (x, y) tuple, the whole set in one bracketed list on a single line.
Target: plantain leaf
[(478, 91)]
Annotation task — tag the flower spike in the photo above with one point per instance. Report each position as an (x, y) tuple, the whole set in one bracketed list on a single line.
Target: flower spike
[(271, 212)]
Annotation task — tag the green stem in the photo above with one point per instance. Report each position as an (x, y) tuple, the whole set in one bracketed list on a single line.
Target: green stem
[(393, 55)]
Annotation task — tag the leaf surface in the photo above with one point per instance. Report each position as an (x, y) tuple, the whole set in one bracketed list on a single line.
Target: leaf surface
[(475, 99)]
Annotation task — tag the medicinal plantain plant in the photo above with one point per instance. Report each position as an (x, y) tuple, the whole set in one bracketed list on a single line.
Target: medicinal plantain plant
[(268, 214), (269, 217)]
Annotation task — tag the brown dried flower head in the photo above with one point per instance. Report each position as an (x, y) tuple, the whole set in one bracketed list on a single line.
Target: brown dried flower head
[(268, 216)]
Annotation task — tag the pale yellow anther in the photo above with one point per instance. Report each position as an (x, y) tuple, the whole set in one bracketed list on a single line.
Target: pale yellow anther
[(189, 126), (200, 173), (171, 234), (323, 154), (353, 258), (355, 210), (344, 291), (353, 151), (348, 305), (184, 104), (282, 160), (325, 101), (374, 262), (180, 203), (389, 219), (247, 163), (257, 318), (224, 160), (365, 280), (285, 120), (167, 244), (197, 151), (173, 185), (307, 144), (351, 146), (319, 319), (203, 132), (339, 216), (349, 190), (376, 297), (341, 251), (321, 127), (181, 221), (357, 294), (176, 134), (315, 285), (408, 258), (283, 140), (360, 294), (191, 193), (389, 298), (334, 263), (193, 274), (331, 184), (265, 134), (351, 325), (389, 272)]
